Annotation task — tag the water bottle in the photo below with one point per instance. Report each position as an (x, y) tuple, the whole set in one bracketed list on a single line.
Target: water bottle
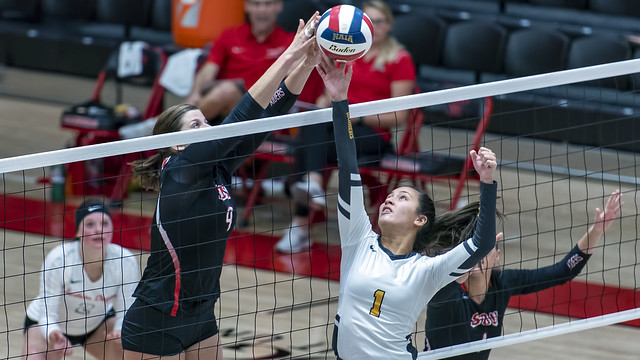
[(58, 177)]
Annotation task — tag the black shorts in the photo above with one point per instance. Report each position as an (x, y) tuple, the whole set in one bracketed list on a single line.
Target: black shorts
[(148, 330), (73, 339)]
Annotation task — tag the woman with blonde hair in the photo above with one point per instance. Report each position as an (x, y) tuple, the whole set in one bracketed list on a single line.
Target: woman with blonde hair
[(385, 71)]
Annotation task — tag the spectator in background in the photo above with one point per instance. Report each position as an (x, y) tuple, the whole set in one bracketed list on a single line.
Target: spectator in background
[(85, 288), (386, 71), (239, 57)]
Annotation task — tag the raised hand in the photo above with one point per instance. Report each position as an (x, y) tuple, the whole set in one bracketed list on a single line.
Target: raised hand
[(336, 77), (604, 218), (301, 42), (484, 161), (603, 221)]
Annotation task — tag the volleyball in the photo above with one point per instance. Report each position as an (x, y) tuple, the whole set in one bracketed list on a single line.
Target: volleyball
[(344, 33)]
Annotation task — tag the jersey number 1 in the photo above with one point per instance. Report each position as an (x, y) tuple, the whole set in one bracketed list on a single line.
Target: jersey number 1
[(377, 303)]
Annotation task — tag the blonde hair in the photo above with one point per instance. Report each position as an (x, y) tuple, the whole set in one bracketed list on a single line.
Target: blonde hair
[(390, 47)]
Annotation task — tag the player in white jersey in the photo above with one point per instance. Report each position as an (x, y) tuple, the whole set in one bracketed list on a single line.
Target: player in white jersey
[(384, 281), (85, 288)]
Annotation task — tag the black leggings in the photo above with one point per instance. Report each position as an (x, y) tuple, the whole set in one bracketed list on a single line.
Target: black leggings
[(317, 149)]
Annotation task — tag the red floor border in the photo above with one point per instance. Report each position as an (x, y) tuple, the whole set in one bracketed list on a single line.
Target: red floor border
[(577, 299)]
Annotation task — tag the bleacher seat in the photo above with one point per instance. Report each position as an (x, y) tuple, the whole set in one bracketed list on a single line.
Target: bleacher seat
[(19, 9), (66, 10), (594, 50), (292, 10), (476, 46), (571, 4), (535, 51), (426, 48), (616, 7)]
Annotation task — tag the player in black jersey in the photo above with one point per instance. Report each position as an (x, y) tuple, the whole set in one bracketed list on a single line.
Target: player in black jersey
[(173, 315), (472, 307)]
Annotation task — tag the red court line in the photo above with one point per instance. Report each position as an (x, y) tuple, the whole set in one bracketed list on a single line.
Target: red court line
[(132, 231), (581, 300), (577, 299)]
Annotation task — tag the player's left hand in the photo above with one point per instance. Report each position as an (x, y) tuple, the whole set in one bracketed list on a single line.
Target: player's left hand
[(604, 218), (485, 163)]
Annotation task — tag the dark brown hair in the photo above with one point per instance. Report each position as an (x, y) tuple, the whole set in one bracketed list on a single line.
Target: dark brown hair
[(452, 228), (149, 169), (426, 208)]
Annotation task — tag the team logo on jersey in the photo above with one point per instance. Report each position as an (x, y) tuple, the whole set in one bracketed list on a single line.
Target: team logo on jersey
[(223, 193), (484, 319), (573, 261), (372, 249)]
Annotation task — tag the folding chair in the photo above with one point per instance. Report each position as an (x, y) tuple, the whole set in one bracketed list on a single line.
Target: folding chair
[(422, 167), (96, 123)]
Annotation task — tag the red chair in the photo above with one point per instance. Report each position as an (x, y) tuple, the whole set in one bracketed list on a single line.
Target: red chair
[(96, 123)]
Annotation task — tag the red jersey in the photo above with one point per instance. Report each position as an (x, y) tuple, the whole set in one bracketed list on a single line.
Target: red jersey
[(240, 56), (370, 82)]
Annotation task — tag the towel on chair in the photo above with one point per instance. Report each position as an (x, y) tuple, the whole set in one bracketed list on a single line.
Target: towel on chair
[(178, 75), (130, 61)]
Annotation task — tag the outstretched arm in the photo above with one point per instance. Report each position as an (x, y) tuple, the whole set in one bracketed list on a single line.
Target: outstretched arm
[(465, 255), (281, 102), (603, 221), (353, 222), (519, 282), (263, 90)]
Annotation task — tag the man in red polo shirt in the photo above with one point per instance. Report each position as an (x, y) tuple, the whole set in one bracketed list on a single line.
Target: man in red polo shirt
[(239, 57)]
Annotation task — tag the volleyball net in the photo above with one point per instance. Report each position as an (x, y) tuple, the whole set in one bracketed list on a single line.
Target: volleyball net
[(565, 141)]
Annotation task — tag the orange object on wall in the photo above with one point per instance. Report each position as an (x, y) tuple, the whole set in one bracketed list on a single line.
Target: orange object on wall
[(194, 23)]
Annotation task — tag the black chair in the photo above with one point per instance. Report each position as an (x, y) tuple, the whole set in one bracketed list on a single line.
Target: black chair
[(595, 50), (161, 15), (475, 46), (68, 10), (422, 35), (292, 10), (573, 4), (125, 12), (616, 7), (535, 51), (19, 9)]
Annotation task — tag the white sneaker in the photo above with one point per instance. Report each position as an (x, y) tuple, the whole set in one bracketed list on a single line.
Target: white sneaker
[(308, 190), (295, 239)]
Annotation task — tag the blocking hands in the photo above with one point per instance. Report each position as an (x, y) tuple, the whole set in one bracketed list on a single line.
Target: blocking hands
[(301, 42), (485, 163), (336, 77)]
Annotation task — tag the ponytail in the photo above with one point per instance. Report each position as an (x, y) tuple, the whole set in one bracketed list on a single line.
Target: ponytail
[(452, 228), (149, 169)]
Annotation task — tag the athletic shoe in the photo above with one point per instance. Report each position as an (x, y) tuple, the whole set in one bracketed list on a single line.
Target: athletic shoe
[(295, 239), (309, 192)]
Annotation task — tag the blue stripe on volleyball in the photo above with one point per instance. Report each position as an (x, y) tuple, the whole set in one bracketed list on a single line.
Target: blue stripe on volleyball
[(356, 21)]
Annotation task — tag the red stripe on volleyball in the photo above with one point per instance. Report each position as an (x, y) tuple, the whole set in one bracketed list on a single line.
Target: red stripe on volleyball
[(369, 24), (334, 18)]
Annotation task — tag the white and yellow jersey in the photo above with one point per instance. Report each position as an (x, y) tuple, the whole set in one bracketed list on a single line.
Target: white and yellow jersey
[(381, 294)]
